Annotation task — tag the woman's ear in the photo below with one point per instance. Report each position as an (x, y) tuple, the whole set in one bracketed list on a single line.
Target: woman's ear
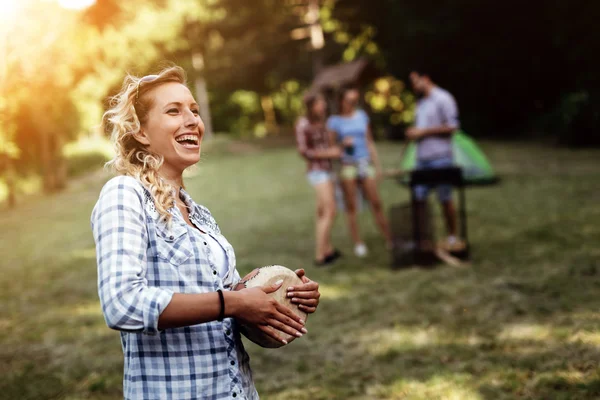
[(141, 137)]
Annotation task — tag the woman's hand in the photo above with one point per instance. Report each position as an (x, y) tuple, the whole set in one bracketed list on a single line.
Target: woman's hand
[(254, 307), (306, 295), (378, 174)]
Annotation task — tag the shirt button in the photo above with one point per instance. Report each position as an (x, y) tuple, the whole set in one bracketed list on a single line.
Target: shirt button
[(233, 363), (214, 272), (171, 237), (234, 394), (228, 332), (205, 243)]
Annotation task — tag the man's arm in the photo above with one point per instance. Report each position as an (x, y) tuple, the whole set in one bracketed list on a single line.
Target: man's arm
[(442, 130), (449, 115)]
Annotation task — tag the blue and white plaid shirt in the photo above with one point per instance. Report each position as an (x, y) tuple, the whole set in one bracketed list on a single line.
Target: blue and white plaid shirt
[(141, 263)]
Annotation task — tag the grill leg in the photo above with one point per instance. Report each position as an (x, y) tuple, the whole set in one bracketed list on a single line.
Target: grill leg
[(415, 220), (463, 219)]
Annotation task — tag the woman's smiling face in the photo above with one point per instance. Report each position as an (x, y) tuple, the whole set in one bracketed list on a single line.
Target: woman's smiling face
[(173, 128)]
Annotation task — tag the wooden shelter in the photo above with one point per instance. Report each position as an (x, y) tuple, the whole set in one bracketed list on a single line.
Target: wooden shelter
[(329, 80)]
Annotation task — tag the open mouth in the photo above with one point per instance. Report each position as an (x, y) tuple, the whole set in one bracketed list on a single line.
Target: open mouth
[(188, 140)]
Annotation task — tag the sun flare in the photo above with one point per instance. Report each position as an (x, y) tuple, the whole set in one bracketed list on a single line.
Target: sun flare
[(7, 7), (76, 4)]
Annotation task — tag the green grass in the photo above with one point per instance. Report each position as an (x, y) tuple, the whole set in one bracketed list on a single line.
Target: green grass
[(521, 323)]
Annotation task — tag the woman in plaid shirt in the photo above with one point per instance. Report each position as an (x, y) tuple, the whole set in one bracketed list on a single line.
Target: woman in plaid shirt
[(314, 145), (165, 271)]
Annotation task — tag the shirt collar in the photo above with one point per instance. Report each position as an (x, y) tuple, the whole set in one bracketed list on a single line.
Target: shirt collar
[(187, 199)]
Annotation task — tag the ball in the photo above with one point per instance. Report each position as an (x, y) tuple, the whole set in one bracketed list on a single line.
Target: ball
[(265, 276)]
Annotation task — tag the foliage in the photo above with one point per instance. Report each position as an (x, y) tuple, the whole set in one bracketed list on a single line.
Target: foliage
[(250, 47), (9, 150), (50, 57), (86, 155), (508, 72), (249, 109), (392, 107)]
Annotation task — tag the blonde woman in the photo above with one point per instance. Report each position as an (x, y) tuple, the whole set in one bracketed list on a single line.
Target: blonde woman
[(165, 271)]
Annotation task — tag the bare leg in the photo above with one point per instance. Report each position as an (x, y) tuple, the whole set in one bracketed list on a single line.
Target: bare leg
[(349, 187), (450, 217), (325, 218), (372, 195)]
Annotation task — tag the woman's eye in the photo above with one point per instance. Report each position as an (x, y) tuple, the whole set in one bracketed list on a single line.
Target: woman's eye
[(172, 110), (196, 112)]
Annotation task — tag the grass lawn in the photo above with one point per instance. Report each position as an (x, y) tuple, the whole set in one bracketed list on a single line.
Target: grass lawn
[(521, 323)]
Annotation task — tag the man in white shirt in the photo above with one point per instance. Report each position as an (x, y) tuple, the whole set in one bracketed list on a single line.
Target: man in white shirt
[(436, 121)]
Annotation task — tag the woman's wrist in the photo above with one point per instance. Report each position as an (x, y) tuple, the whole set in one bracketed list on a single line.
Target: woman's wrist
[(233, 303), (221, 305)]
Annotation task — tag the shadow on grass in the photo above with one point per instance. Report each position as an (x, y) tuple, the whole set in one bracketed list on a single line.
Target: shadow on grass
[(375, 342), (508, 331), (509, 369)]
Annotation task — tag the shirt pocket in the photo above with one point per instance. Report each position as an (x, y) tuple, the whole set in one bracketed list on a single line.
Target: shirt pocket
[(173, 245)]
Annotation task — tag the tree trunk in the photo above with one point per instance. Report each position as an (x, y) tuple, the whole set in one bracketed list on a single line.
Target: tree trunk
[(54, 166), (266, 103), (317, 40), (60, 164), (46, 158), (11, 183), (202, 93)]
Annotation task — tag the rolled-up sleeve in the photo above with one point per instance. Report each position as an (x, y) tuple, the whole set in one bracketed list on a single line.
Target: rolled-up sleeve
[(450, 112), (119, 229)]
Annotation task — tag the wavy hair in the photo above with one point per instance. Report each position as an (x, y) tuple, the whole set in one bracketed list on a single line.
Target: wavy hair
[(128, 111), (309, 101)]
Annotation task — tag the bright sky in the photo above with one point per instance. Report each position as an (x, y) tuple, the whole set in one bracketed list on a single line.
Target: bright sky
[(75, 4), (7, 7)]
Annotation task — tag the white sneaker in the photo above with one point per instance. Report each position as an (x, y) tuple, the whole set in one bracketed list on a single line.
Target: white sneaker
[(451, 240), (453, 243), (360, 250)]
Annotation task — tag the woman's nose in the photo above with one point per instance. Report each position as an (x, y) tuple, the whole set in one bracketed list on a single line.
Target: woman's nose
[(191, 119)]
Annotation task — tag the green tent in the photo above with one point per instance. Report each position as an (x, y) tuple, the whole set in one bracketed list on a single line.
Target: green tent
[(467, 155)]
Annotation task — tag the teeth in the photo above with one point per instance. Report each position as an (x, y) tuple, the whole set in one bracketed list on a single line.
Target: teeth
[(194, 138)]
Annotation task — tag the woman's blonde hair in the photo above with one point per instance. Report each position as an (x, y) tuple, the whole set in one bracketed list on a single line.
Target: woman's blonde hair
[(128, 110)]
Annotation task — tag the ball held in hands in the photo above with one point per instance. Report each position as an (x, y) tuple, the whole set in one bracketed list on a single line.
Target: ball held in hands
[(267, 276)]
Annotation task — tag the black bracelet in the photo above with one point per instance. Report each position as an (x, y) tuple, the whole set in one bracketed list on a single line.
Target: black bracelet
[(222, 301)]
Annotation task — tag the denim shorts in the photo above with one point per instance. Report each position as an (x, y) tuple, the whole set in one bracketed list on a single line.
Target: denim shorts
[(318, 176), (352, 172), (362, 169), (444, 191)]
